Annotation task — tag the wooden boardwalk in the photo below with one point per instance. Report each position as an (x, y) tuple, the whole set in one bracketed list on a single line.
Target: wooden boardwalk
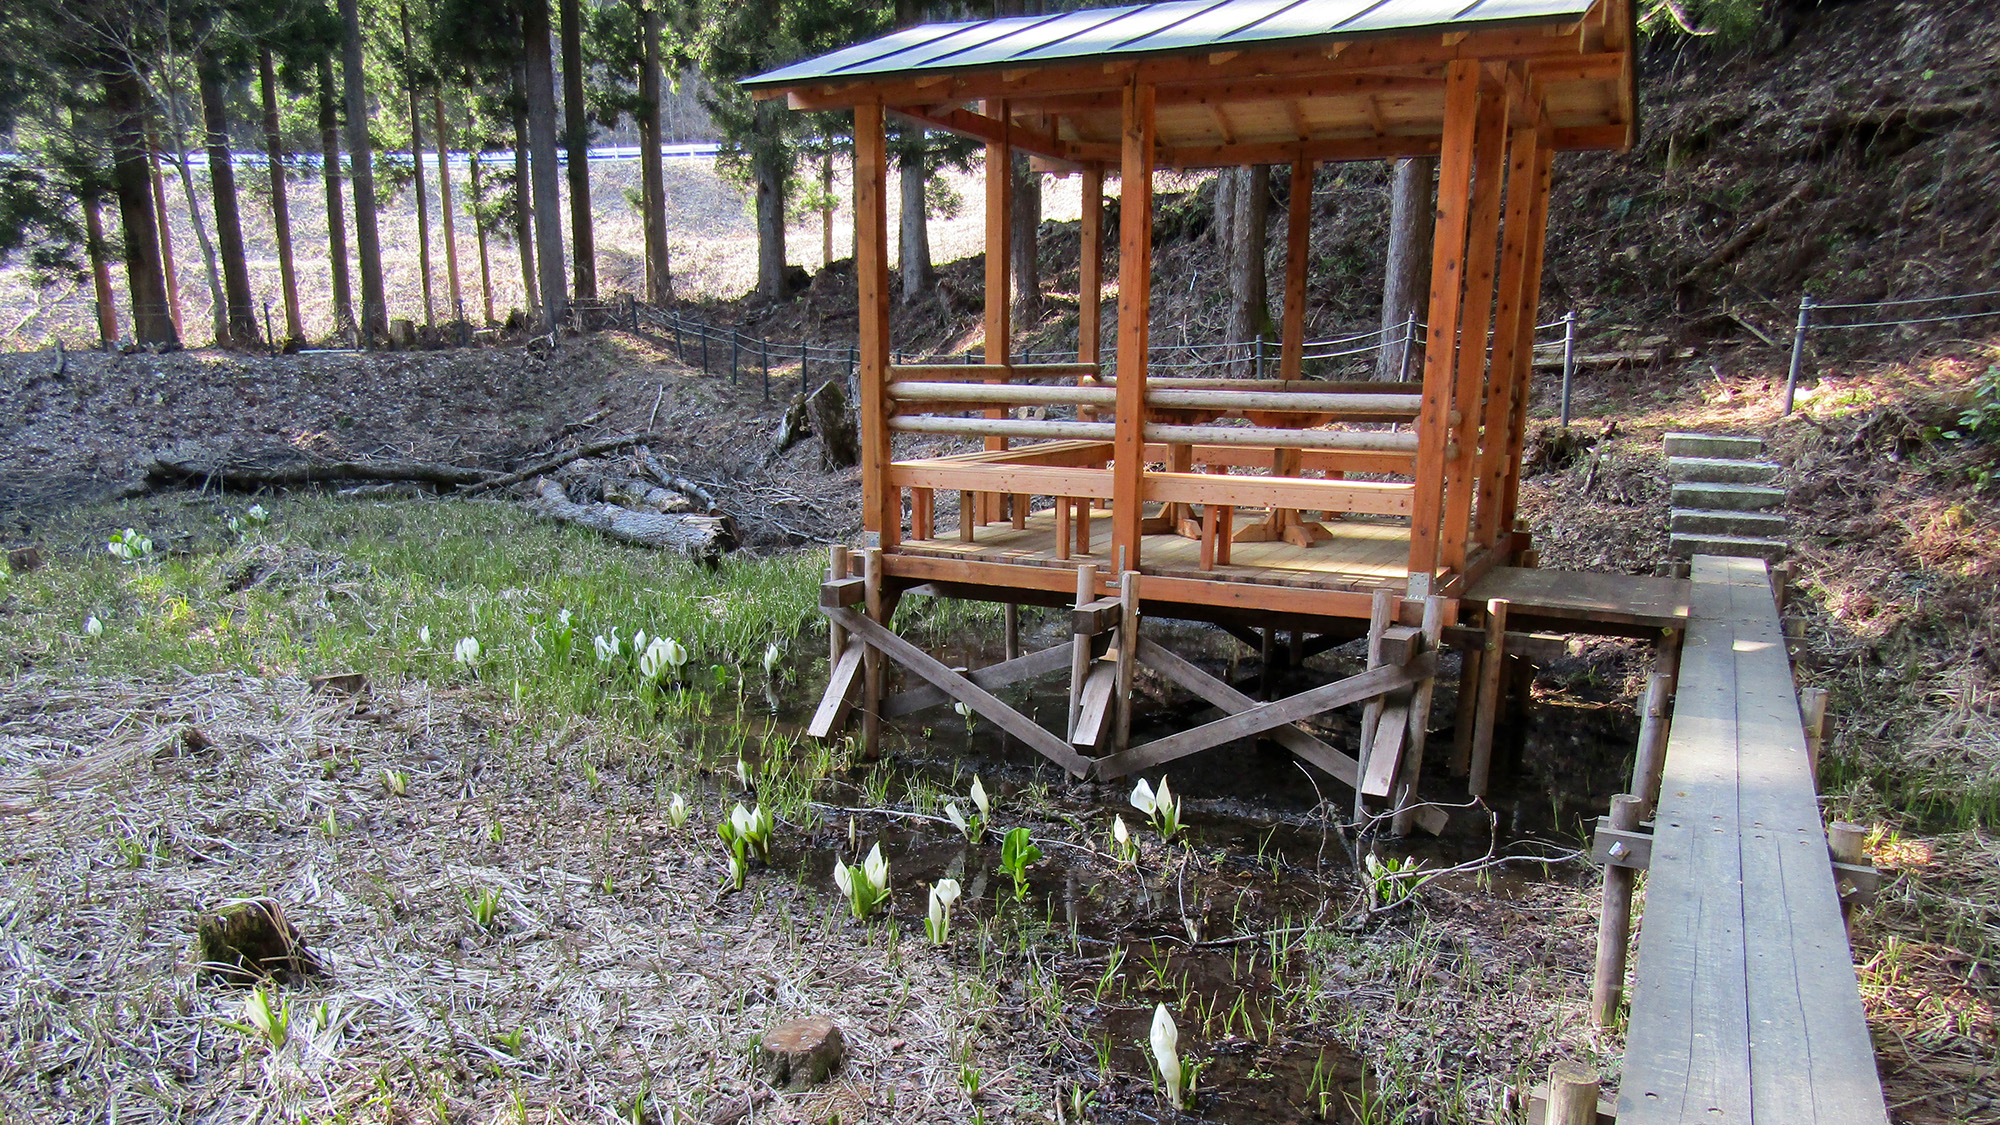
[(1744, 1002)]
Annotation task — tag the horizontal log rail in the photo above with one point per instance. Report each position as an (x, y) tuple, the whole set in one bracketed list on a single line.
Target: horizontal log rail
[(1300, 401), (1312, 460), (1372, 497), (963, 372), (1260, 436)]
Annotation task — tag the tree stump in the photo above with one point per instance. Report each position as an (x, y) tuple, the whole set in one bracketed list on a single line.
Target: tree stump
[(833, 421), (800, 1053), (249, 940)]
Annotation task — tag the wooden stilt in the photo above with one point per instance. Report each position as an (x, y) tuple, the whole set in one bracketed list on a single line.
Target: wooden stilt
[(1083, 525), (871, 660), (1128, 649), (1614, 922), (1468, 711), (968, 517), (1651, 758), (923, 510), (1812, 716), (1408, 811), (1848, 843), (1572, 1094), (1491, 665), (1011, 626), (1064, 507), (1667, 657), (1080, 644), (1298, 238), (1266, 652), (1381, 616)]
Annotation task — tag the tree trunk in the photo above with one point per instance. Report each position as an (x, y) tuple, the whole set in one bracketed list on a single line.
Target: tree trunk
[(1249, 306), (336, 211), (769, 166), (218, 304), (524, 206), (124, 104), (1027, 222), (241, 313), (914, 239), (1406, 276), (166, 232), (576, 126), (479, 230), (541, 81), (653, 180), (1225, 213), (100, 270), (417, 166), (457, 310), (281, 208), (826, 202), (360, 154)]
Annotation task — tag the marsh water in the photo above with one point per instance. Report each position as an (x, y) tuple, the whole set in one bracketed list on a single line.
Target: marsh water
[(1231, 925)]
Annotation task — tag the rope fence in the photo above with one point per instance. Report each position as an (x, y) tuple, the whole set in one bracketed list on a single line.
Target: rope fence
[(1808, 324)]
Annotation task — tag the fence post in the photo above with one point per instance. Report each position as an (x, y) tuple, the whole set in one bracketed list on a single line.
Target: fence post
[(1569, 361), (805, 382), (1257, 358), (268, 337), (764, 347), (853, 367), (1409, 345), (735, 350), (1798, 349), (704, 350)]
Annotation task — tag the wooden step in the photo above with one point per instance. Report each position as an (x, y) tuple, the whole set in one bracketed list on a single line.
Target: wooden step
[(1734, 497), (1731, 546), (1721, 470), (1707, 521), (1712, 445)]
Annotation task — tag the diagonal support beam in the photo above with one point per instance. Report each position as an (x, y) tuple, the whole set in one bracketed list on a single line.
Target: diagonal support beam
[(957, 686), (991, 677), (1191, 678), (833, 706), (1268, 716)]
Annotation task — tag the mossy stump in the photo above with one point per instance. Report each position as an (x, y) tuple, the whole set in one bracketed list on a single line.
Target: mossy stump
[(245, 941)]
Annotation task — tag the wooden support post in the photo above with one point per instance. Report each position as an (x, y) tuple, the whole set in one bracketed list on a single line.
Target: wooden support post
[(1491, 665), (999, 174), (1083, 504), (1614, 923), (1267, 651), (1667, 657), (1298, 238), (1572, 1094), (871, 667), (836, 636), (1406, 803), (968, 516), (1468, 710), (1382, 614), (1514, 305), (1090, 269), (1011, 626), (1531, 285), (1812, 716), (1135, 268), (923, 511), (1470, 380), (1080, 655), (1651, 759), (882, 506), (1848, 843), (1128, 653), (1454, 216), (1064, 507)]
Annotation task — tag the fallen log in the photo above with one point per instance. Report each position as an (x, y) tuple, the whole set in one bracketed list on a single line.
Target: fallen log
[(543, 468), (695, 493), (700, 537), (250, 474)]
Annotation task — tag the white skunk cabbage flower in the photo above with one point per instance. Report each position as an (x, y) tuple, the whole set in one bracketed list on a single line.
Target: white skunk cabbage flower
[(771, 654), (1144, 799), (876, 869), (466, 651), (964, 710), (608, 648), (957, 819), (677, 811), (639, 641), (842, 879), (653, 662), (937, 924), (424, 635), (93, 626), (742, 820), (562, 618), (676, 655), (979, 798), (1166, 1038)]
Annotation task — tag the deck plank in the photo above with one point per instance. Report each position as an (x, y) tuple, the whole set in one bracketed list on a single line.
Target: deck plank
[(1624, 599), (1744, 1005)]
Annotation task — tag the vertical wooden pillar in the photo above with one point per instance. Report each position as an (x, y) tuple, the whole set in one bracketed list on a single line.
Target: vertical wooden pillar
[(1080, 653), (1128, 658), (999, 302), (1410, 775), (1614, 922), (1298, 239), (1381, 616), (1491, 665), (871, 659), (1454, 214), (1135, 269), (1090, 269), (1524, 357), (1469, 374), (882, 506), (1514, 312)]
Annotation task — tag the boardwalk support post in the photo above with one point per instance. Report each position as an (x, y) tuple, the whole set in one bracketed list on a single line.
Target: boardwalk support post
[(1614, 923), (1572, 1094), (1652, 756)]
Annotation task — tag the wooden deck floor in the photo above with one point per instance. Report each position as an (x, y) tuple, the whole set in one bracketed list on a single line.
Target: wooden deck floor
[(1582, 598), (1361, 556), (1744, 1004)]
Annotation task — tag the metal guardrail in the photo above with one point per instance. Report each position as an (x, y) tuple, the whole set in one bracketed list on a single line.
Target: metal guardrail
[(1807, 324)]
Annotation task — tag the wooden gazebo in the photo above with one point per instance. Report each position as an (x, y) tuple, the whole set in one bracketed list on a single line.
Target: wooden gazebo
[(1287, 503)]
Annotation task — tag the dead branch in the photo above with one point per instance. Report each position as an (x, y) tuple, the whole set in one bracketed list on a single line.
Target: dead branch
[(1747, 235), (594, 449), (700, 537)]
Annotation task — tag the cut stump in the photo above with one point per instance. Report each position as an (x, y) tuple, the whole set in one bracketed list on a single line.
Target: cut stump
[(800, 1053), (249, 940)]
